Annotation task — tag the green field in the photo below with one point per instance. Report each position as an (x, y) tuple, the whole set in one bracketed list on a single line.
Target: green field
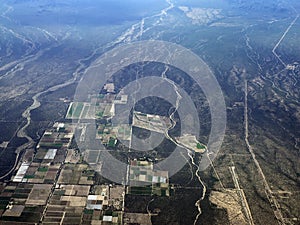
[(74, 111), (111, 142), (85, 112), (200, 146), (43, 169), (147, 190)]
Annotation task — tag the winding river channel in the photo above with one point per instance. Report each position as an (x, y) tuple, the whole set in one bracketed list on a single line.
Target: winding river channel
[(133, 33)]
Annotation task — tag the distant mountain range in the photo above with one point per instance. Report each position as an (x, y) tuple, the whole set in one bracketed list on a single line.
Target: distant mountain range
[(270, 6)]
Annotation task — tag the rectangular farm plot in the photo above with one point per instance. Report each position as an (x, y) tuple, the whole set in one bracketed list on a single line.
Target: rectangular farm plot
[(108, 134), (67, 204), (75, 110), (39, 194), (50, 154), (21, 172), (75, 201), (76, 190), (56, 138), (76, 174), (190, 142), (91, 156), (151, 122), (147, 181), (123, 132), (14, 211), (13, 205), (104, 110), (41, 173), (73, 156), (86, 110)]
